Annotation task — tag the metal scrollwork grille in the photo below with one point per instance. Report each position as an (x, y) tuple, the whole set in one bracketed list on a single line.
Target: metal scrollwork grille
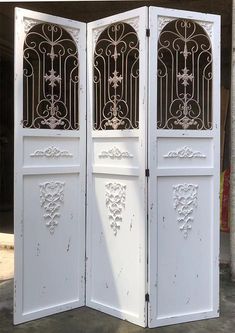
[(116, 78), (184, 77), (51, 79)]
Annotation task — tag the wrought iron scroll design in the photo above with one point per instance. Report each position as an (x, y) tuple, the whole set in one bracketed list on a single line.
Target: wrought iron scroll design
[(51, 196), (115, 202), (184, 76), (116, 78), (51, 78), (134, 22), (185, 200)]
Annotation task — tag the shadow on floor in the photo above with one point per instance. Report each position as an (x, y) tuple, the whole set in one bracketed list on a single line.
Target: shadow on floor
[(85, 320)]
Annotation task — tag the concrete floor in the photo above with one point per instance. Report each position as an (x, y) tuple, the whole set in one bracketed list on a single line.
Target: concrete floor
[(85, 320), (6, 265)]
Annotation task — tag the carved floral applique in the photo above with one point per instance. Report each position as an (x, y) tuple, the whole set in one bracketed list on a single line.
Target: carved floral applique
[(185, 200), (51, 197), (115, 153), (115, 202)]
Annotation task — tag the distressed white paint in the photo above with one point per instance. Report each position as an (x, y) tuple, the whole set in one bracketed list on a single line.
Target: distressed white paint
[(183, 271), (116, 243), (49, 243)]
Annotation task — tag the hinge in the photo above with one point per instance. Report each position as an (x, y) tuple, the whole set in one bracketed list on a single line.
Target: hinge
[(146, 297), (146, 172), (148, 32)]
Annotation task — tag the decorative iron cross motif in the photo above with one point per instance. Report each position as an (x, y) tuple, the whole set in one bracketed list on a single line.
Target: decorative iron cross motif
[(52, 78), (185, 76), (115, 79)]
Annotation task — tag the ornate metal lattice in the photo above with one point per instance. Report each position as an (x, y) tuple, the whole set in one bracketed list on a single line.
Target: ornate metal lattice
[(116, 78), (51, 78), (184, 77)]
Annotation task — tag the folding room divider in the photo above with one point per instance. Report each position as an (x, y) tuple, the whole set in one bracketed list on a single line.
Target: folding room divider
[(117, 165)]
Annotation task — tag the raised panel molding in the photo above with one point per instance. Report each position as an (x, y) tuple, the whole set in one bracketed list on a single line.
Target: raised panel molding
[(115, 202), (184, 152), (184, 201), (115, 153), (51, 197), (52, 152)]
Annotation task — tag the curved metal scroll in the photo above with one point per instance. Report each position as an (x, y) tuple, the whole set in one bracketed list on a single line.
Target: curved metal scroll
[(116, 78), (51, 79), (184, 77)]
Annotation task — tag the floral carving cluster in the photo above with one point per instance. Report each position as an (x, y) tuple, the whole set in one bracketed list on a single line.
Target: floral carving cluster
[(51, 197), (185, 200), (51, 151), (115, 202), (163, 21), (185, 152), (29, 23), (115, 153)]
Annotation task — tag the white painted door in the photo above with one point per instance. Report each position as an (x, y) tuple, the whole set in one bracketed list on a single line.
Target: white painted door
[(184, 112), (116, 155), (50, 140)]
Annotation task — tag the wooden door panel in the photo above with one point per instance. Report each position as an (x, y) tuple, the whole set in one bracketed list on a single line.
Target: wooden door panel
[(50, 141), (116, 202), (184, 166)]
